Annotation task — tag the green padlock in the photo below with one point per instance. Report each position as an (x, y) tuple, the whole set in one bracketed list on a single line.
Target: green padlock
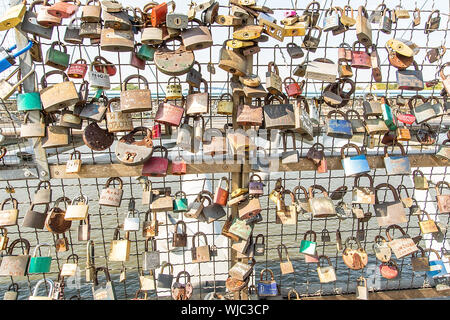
[(29, 101), (40, 264), (388, 116), (146, 52), (56, 58), (180, 204)]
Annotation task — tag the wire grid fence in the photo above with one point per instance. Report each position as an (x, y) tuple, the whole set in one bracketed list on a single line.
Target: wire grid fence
[(105, 220)]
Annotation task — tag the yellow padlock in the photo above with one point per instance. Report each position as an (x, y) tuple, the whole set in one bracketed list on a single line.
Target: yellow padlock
[(12, 17)]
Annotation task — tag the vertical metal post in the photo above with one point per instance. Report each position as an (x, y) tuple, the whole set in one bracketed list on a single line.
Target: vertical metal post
[(29, 85)]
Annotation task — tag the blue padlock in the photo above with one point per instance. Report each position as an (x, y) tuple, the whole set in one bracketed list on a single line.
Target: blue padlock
[(8, 58)]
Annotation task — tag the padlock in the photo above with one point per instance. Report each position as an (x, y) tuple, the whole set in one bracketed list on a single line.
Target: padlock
[(45, 19), (156, 166), (72, 34), (331, 21), (64, 9), (145, 52), (151, 35), (176, 20), (346, 20), (311, 43), (435, 54), (111, 196), (221, 194), (195, 209), (12, 17), (294, 51), (132, 152), (196, 38), (77, 69), (99, 79), (293, 89), (131, 223), (151, 258), (311, 14), (200, 253), (410, 79), (386, 21), (360, 59), (118, 121), (30, 24), (433, 22), (136, 100), (363, 29), (179, 166), (12, 293), (270, 27), (116, 40), (174, 91)]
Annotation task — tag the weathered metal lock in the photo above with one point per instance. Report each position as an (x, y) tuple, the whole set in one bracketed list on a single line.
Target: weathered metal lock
[(72, 34), (45, 19), (43, 195), (116, 40), (425, 135), (77, 69), (248, 32), (105, 290), (173, 62), (443, 200), (145, 52), (386, 21), (212, 213), (425, 111), (311, 14), (116, 20), (286, 214), (435, 54), (8, 217), (195, 209), (296, 29), (56, 136), (180, 239), (179, 166), (433, 23), (32, 130), (194, 77), (293, 89), (410, 79), (64, 9), (180, 204), (151, 35), (355, 165), (388, 115), (165, 280), (338, 128), (232, 62), (173, 89), (30, 24), (197, 38), (151, 259), (344, 69), (198, 102), (221, 194), (363, 29), (176, 20), (230, 20), (344, 52), (91, 30), (12, 293), (303, 125), (321, 69), (84, 230), (225, 107), (57, 96), (99, 80), (132, 152), (294, 51), (444, 78), (326, 274), (91, 13), (289, 156), (186, 138), (200, 253), (278, 116), (109, 196), (136, 100), (169, 114), (8, 58), (159, 12), (255, 187), (270, 27), (444, 151), (347, 21), (116, 120), (396, 164), (209, 15), (156, 166), (321, 207), (120, 248), (132, 223), (311, 43), (360, 59), (4, 238), (308, 247), (12, 17), (331, 21)]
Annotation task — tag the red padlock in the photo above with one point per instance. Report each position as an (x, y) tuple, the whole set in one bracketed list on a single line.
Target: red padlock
[(64, 9), (178, 166), (360, 59), (156, 131), (77, 69), (293, 89), (406, 118), (389, 270), (100, 63), (322, 168), (221, 194), (135, 61), (158, 15), (156, 166)]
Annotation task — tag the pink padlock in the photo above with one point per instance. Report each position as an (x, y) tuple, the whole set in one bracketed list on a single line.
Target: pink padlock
[(288, 14), (156, 131)]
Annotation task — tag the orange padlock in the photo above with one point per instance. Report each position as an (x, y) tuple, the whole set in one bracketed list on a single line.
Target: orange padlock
[(221, 194)]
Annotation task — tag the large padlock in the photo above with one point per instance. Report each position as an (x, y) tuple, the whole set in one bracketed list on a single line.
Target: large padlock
[(91, 12), (225, 107), (132, 152), (43, 195), (165, 280), (311, 14), (321, 69), (57, 96), (77, 69), (221, 194), (30, 24), (40, 264), (151, 259), (116, 40), (120, 248), (355, 165), (363, 29), (99, 80), (331, 21), (169, 113), (195, 208), (232, 62), (137, 100), (72, 34), (109, 196), (198, 102), (200, 253), (151, 35), (410, 79), (176, 20), (91, 30), (197, 38), (64, 9), (338, 128)]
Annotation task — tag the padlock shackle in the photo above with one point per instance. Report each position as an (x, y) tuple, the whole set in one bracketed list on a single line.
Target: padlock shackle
[(390, 187), (366, 175), (27, 244), (312, 233), (347, 146), (118, 179), (38, 284), (394, 226), (14, 202), (41, 245)]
